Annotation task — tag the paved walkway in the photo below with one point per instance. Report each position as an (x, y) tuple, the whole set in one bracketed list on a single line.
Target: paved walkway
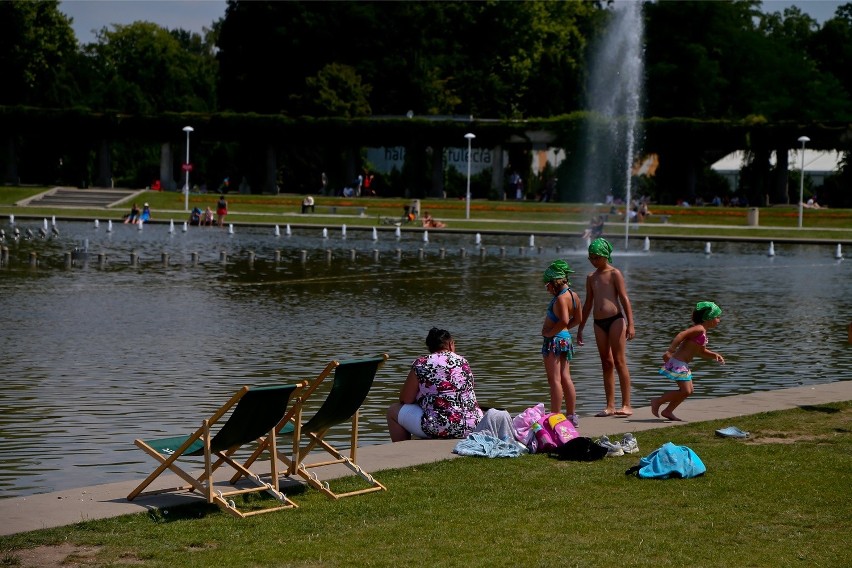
[(21, 514)]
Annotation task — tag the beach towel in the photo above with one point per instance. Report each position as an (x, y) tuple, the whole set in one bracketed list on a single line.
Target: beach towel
[(668, 461), (483, 445), (498, 424)]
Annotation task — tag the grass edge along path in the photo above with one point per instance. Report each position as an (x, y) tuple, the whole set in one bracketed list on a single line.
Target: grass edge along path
[(555, 218), (779, 498)]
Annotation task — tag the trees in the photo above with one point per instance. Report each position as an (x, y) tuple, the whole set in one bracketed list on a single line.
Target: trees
[(491, 59), (727, 60), (38, 55), (142, 68), (336, 90), (331, 64), (830, 47)]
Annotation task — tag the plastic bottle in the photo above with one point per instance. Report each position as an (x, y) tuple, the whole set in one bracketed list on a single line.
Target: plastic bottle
[(538, 433), (532, 446), (545, 443)]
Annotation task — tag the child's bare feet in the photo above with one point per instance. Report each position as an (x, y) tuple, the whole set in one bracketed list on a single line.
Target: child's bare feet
[(670, 416), (655, 408), (625, 411)]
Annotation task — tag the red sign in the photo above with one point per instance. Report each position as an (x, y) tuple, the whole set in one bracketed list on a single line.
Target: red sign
[(187, 167)]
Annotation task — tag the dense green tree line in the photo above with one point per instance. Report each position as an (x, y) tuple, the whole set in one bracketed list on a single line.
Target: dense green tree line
[(719, 60)]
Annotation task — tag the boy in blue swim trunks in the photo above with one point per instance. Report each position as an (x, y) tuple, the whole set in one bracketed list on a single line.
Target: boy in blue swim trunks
[(686, 345)]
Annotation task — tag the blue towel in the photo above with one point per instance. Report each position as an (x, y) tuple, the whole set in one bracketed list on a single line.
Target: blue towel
[(669, 461), (483, 445)]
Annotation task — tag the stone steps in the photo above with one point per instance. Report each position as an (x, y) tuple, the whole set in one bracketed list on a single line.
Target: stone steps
[(70, 197)]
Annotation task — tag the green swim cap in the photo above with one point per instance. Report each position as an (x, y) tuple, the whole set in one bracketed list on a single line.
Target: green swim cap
[(708, 310), (601, 247), (557, 269)]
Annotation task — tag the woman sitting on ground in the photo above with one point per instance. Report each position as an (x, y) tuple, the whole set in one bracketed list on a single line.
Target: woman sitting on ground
[(595, 228), (133, 216), (431, 223), (437, 399), (195, 217), (207, 220)]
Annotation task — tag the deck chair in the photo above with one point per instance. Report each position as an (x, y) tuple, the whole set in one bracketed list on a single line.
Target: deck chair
[(257, 413), (351, 384)]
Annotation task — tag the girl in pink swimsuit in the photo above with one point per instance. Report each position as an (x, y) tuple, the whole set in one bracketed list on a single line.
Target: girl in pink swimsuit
[(686, 345)]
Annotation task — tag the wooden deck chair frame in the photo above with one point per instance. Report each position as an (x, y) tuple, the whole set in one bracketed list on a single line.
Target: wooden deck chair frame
[(257, 412), (311, 435)]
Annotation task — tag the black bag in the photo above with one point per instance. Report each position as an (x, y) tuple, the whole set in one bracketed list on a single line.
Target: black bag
[(579, 449)]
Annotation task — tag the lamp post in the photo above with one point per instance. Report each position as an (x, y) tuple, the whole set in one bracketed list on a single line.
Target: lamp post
[(804, 140), (470, 136), (186, 168)]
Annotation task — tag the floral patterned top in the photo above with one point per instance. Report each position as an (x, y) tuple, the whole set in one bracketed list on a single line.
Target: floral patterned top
[(445, 394)]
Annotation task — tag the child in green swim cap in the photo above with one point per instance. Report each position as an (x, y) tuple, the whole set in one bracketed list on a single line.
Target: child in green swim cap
[(685, 346), (557, 349), (607, 302)]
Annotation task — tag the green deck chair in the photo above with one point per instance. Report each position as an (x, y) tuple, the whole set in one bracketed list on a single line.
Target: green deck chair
[(352, 382), (258, 412)]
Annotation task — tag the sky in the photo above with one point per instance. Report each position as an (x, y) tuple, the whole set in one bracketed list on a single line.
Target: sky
[(193, 15), (819, 10)]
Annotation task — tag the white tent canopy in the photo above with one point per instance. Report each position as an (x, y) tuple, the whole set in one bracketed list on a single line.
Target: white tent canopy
[(818, 164)]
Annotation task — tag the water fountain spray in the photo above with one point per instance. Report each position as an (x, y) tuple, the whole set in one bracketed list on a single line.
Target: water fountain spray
[(614, 98)]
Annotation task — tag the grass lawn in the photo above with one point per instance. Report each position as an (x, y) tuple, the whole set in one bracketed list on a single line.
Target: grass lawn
[(834, 225), (780, 498)]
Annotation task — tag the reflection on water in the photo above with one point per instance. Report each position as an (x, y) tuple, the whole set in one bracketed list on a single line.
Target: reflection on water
[(95, 356)]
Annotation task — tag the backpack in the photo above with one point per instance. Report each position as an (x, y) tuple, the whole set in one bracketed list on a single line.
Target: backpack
[(669, 461), (579, 449), (555, 431)]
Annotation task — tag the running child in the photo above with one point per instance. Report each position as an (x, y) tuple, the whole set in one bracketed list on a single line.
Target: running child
[(686, 345), (606, 294)]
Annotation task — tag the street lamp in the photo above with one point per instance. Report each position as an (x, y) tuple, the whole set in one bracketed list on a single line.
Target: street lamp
[(804, 140), (470, 136), (186, 168)]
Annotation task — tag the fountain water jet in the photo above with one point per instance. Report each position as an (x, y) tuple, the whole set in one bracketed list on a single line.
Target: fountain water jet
[(614, 99)]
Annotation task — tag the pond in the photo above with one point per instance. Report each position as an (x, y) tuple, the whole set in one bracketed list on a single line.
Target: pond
[(102, 352)]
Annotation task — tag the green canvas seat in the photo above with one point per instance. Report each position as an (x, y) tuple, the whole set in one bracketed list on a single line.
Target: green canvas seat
[(257, 413), (351, 385)]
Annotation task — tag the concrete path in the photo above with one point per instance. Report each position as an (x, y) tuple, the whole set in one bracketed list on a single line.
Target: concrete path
[(21, 514)]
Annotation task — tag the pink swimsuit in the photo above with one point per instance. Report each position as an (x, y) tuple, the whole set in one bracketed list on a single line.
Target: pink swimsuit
[(700, 339)]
